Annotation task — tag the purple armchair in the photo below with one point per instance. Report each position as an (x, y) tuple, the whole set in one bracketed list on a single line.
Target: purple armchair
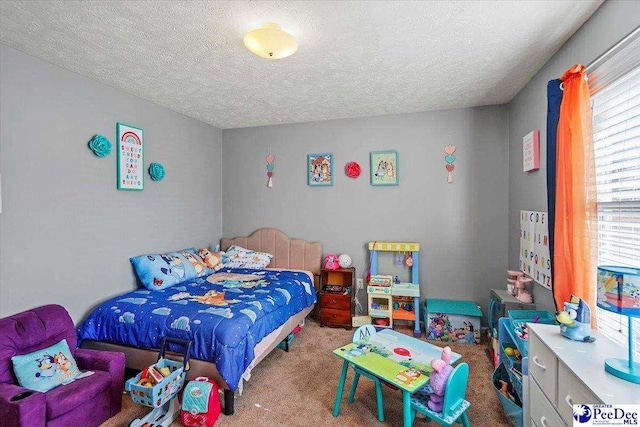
[(88, 401)]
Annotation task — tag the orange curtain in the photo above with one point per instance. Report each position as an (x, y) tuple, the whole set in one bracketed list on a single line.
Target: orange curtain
[(575, 248)]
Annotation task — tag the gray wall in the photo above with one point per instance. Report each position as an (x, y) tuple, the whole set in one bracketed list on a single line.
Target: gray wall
[(528, 111), (66, 232), (462, 227)]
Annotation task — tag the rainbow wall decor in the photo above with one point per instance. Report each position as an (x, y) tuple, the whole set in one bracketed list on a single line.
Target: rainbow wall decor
[(130, 157)]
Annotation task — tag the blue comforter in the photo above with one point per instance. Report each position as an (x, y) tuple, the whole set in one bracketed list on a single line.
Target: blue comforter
[(224, 315)]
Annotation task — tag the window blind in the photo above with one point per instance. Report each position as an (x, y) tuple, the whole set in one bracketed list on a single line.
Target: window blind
[(615, 99)]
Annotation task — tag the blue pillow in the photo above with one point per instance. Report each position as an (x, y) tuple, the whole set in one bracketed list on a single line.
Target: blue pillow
[(45, 369), (160, 271)]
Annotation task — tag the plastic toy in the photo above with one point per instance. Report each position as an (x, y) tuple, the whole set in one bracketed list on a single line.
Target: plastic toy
[(512, 277), (377, 285), (438, 379), (344, 261), (575, 320), (200, 403), (331, 262), (158, 392), (518, 286)]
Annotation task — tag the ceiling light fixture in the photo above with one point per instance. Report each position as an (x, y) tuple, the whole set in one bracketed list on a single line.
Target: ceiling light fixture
[(271, 42)]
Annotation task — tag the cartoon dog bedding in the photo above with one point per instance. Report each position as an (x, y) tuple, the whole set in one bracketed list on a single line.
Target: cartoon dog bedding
[(225, 315)]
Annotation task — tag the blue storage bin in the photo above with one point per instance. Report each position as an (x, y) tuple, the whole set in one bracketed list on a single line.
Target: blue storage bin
[(524, 316), (519, 320), (511, 409), (451, 320)]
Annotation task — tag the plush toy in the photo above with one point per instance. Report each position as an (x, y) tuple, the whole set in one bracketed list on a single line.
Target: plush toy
[(212, 260), (575, 320), (438, 379), (331, 262)]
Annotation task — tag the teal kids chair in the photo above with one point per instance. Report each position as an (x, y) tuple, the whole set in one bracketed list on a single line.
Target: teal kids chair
[(454, 405), (362, 333)]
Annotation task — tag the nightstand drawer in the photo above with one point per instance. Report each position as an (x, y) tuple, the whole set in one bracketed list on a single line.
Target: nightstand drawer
[(335, 301), (571, 391), (542, 411), (330, 316), (543, 366)]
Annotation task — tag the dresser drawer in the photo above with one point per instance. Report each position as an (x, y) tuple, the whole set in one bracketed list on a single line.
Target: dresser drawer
[(543, 366), (336, 301), (541, 410), (329, 316), (571, 391)]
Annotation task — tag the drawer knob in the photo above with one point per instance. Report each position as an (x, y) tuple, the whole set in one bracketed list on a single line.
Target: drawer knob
[(569, 400), (333, 301), (543, 421), (540, 365)]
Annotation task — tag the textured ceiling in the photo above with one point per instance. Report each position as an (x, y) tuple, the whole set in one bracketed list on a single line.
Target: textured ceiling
[(356, 58)]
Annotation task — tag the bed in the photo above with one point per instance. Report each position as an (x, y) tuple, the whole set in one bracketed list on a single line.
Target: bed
[(258, 309)]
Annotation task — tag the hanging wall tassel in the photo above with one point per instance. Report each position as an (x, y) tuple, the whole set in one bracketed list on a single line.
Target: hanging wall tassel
[(450, 158), (270, 159)]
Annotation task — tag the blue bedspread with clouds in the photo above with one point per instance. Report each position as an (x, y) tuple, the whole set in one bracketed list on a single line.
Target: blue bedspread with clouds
[(224, 315)]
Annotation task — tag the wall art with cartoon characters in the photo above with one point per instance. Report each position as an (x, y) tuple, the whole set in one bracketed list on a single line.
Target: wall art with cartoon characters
[(384, 167), (320, 169)]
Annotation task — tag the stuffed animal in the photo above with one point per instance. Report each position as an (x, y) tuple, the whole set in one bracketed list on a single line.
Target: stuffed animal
[(212, 260), (575, 320), (331, 262), (438, 379)]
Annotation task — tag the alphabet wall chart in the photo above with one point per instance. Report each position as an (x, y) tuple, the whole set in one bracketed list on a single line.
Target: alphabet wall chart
[(535, 260)]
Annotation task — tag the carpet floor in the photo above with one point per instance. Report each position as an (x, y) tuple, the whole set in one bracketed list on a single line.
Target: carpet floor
[(298, 388)]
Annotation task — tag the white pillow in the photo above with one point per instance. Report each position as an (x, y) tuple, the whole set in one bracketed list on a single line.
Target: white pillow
[(239, 257)]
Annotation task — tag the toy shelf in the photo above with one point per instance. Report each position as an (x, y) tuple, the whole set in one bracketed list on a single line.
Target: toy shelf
[(507, 338), (402, 294)]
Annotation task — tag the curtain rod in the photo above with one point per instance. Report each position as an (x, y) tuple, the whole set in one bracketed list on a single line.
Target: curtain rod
[(629, 38)]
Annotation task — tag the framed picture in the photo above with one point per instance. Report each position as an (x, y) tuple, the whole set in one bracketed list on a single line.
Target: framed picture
[(384, 167), (531, 151), (320, 169), (130, 157)]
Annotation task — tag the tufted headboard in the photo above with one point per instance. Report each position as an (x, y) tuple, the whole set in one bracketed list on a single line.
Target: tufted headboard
[(290, 253)]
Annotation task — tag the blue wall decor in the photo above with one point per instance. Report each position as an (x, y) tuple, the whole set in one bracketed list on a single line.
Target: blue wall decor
[(100, 145), (156, 170)]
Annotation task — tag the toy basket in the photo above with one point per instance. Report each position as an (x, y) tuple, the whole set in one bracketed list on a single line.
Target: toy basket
[(513, 366), (160, 393), (512, 409), (536, 316), (519, 320)]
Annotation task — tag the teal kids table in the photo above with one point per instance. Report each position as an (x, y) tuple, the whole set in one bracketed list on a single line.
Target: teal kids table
[(395, 358)]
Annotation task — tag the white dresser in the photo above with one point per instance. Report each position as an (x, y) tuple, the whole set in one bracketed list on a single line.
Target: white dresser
[(563, 372)]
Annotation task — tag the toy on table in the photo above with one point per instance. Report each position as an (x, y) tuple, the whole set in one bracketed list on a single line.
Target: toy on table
[(438, 379), (523, 294), (575, 320), (344, 261), (518, 286), (512, 277), (331, 262)]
